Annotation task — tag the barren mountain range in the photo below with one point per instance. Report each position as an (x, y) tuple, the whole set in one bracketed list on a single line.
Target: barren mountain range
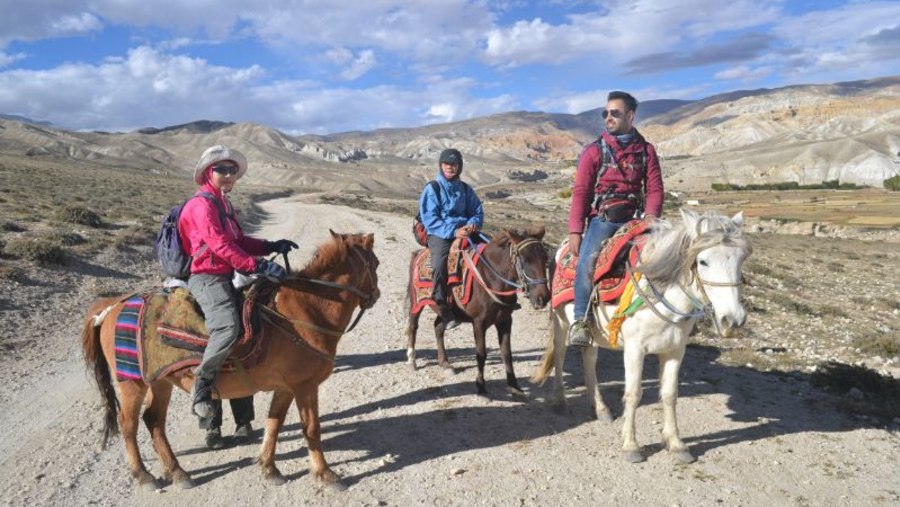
[(809, 134)]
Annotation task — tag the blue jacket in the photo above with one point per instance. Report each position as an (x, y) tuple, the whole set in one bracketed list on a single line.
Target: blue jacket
[(458, 206)]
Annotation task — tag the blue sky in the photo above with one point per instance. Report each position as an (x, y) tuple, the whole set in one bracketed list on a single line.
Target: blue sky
[(305, 66)]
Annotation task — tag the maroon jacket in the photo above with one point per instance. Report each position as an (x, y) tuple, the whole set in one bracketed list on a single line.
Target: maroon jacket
[(628, 180)]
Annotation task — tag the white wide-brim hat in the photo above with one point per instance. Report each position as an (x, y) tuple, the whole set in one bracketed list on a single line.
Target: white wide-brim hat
[(218, 153)]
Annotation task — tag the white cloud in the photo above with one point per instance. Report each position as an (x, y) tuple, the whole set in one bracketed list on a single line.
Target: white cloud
[(6, 59), (573, 103), (743, 73)]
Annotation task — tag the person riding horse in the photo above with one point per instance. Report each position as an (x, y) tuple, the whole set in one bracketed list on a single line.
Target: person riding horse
[(608, 192), (449, 209), (211, 234)]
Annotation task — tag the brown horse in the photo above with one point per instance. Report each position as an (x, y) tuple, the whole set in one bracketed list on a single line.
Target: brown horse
[(313, 309), (514, 261)]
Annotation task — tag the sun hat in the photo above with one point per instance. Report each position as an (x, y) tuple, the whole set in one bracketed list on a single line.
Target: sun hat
[(219, 153)]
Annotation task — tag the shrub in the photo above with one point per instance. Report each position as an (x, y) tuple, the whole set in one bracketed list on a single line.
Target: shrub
[(565, 193), (11, 227), (79, 215), (38, 250), (892, 183)]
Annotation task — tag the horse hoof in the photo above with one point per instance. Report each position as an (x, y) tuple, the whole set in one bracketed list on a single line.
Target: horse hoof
[(605, 417), (445, 365), (151, 485), (412, 365), (684, 457), (337, 486), (517, 393), (560, 408), (185, 484), (633, 457), (276, 480)]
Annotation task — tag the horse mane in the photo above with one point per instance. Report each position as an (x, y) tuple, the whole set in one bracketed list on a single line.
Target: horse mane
[(672, 248), (328, 254)]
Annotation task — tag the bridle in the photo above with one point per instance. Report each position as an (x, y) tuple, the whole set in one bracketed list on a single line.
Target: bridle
[(515, 254)]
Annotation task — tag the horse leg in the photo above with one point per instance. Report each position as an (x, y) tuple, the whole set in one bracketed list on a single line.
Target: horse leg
[(480, 355), (634, 365), (155, 420), (589, 364), (412, 327), (132, 394), (670, 364), (281, 402), (559, 329), (308, 404), (439, 328), (504, 335)]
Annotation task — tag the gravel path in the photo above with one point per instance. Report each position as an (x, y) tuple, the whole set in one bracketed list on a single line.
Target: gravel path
[(403, 437)]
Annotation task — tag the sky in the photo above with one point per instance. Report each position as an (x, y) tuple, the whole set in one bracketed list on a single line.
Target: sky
[(325, 66)]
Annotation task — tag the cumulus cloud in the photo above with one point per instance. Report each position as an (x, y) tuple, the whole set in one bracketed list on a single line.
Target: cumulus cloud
[(353, 66), (6, 59)]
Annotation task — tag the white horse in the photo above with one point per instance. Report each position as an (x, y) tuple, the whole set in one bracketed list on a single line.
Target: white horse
[(689, 270)]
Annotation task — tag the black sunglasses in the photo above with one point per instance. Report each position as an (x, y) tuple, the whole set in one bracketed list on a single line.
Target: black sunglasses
[(615, 113), (227, 170)]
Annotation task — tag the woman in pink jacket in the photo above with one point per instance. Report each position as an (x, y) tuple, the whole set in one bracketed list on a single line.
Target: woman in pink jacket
[(211, 234)]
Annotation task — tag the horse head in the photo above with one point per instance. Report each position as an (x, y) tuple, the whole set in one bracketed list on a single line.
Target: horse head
[(530, 260), (716, 254)]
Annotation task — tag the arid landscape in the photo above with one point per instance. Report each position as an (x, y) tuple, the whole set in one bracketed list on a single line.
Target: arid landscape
[(801, 408)]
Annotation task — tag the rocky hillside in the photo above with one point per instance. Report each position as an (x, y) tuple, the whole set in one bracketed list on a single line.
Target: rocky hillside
[(847, 131)]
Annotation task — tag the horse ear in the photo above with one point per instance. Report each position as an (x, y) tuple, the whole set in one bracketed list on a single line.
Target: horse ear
[(537, 232), (501, 239), (691, 220), (369, 241), (334, 234), (738, 219)]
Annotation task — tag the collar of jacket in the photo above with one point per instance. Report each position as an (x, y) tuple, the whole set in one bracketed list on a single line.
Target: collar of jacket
[(634, 146)]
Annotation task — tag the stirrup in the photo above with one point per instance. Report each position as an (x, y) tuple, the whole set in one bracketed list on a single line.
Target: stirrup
[(580, 335)]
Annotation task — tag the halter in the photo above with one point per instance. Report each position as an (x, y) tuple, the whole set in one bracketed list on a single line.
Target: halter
[(515, 255)]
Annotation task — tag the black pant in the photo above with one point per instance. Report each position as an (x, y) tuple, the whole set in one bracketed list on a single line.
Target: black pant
[(440, 250), (241, 409)]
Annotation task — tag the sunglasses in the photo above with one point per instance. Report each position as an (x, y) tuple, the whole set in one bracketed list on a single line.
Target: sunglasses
[(615, 113), (227, 170)]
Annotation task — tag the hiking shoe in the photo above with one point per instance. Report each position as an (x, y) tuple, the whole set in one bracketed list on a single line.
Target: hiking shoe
[(244, 433), (214, 439), (579, 334), (201, 396)]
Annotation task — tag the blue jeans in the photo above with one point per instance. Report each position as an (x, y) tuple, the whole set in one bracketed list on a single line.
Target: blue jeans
[(598, 231)]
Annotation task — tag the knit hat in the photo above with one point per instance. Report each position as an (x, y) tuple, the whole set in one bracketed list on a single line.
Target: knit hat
[(451, 156), (219, 153)]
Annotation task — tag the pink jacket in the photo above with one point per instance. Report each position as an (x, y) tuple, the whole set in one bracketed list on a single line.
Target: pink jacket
[(626, 181), (228, 248)]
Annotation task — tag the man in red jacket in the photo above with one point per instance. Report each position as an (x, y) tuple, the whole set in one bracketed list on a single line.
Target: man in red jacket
[(618, 176), (211, 234)]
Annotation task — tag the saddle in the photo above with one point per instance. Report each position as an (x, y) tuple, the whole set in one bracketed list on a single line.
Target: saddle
[(160, 333), (459, 276), (609, 271)]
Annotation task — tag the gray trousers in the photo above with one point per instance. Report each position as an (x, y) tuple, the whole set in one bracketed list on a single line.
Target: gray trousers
[(440, 250), (219, 304)]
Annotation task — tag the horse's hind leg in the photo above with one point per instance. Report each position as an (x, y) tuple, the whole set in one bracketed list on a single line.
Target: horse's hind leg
[(132, 395), (558, 331), (504, 336), (589, 364), (634, 365), (669, 365), (281, 402), (480, 355), (439, 327), (412, 327), (308, 403), (155, 420)]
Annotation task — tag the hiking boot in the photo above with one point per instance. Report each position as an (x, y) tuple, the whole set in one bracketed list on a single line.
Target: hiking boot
[(449, 319), (201, 398), (244, 433), (214, 439), (579, 334)]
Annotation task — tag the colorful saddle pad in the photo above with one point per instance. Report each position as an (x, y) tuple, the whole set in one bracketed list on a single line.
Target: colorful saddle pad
[(159, 333), (609, 271), (459, 277)]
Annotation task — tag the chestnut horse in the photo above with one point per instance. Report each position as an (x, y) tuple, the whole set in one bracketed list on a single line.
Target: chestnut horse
[(514, 261), (312, 310)]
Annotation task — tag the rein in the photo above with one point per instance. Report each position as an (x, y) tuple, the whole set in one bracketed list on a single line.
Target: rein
[(514, 254)]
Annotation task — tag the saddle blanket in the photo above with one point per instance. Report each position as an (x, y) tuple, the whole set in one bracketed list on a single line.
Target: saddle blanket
[(159, 333), (459, 277), (609, 271)]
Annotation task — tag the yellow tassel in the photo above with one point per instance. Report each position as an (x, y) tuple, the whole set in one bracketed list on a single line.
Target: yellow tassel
[(615, 324)]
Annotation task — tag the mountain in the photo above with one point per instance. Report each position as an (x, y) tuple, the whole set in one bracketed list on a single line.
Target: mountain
[(810, 133)]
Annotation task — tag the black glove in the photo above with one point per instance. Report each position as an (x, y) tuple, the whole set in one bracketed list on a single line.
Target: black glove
[(270, 269), (282, 246)]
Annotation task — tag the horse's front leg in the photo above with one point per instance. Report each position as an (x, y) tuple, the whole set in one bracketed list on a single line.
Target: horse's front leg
[(308, 404), (478, 329), (589, 364), (669, 365), (504, 335), (281, 402), (155, 420), (634, 365), (412, 328), (439, 328)]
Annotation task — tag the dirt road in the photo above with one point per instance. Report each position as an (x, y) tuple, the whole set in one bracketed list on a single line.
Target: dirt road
[(403, 437)]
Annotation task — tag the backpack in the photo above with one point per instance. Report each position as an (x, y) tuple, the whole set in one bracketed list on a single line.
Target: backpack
[(418, 227), (172, 257)]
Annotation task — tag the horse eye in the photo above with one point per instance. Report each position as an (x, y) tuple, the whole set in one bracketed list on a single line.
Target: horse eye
[(702, 263)]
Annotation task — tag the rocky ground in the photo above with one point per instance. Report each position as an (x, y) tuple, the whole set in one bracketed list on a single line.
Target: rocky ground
[(749, 407)]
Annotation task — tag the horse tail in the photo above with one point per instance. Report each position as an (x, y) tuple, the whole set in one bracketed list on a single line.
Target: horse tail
[(543, 371), (96, 360)]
